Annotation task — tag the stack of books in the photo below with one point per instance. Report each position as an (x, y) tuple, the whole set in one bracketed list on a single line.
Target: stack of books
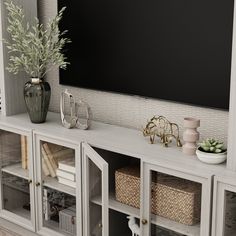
[(66, 172), (51, 155)]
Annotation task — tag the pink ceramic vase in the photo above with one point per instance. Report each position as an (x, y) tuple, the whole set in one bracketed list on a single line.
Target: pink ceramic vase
[(190, 135)]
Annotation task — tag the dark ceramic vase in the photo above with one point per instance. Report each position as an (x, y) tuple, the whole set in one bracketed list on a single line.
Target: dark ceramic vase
[(37, 95)]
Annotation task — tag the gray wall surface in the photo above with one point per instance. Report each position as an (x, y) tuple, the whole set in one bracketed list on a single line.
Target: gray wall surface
[(133, 111)]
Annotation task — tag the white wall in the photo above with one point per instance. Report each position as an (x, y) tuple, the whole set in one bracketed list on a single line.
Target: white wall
[(133, 111)]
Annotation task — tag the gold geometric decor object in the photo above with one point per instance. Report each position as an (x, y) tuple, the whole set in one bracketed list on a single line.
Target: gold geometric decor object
[(164, 129)]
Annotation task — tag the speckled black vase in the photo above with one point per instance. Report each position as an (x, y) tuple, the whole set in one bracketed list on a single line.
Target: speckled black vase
[(37, 95)]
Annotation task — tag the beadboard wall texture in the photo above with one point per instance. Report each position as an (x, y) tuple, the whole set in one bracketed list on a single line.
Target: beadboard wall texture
[(133, 111)]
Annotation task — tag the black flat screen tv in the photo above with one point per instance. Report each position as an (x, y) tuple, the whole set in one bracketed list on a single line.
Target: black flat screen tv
[(165, 49)]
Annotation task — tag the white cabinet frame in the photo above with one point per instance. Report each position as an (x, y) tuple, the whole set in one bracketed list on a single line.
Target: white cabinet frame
[(221, 185), (27, 224), (89, 154), (205, 200), (231, 159), (37, 153)]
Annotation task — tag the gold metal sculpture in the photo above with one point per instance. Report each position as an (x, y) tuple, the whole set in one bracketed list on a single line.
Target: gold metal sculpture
[(164, 129)]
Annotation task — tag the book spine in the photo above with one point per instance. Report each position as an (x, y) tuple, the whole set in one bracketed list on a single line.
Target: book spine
[(65, 175), (26, 153), (67, 182), (48, 163), (45, 204), (23, 152), (45, 168), (67, 168), (50, 156)]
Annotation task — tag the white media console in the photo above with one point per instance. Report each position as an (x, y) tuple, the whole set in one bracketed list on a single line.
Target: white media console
[(99, 152)]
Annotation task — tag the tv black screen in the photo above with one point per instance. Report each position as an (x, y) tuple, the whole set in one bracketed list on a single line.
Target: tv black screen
[(165, 49)]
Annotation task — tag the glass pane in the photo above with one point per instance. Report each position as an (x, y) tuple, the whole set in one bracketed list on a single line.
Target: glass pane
[(14, 162), (59, 188), (16, 195), (230, 214), (95, 199), (123, 224), (59, 211), (175, 205), (58, 164)]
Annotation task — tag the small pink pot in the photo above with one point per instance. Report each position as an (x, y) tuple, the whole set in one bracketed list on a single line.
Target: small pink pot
[(190, 135)]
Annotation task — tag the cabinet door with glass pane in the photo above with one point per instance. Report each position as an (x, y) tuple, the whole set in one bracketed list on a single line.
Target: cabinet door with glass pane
[(224, 206), (95, 192), (111, 192), (16, 165), (58, 186), (175, 203)]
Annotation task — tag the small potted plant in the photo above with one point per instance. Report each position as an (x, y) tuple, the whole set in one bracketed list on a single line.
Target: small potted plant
[(35, 49), (211, 151)]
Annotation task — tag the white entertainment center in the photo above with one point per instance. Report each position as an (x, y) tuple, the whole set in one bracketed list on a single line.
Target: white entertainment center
[(98, 153)]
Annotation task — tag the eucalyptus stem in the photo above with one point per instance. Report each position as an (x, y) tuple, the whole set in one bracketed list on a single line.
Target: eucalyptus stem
[(34, 48)]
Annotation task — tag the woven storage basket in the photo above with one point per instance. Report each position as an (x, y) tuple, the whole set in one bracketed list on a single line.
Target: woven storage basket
[(67, 220), (174, 198)]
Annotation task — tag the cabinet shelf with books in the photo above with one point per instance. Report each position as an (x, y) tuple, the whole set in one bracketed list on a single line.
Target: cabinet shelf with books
[(57, 178), (16, 176), (58, 167)]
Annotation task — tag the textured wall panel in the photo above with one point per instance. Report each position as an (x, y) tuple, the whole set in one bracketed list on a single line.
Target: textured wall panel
[(12, 86), (133, 111)]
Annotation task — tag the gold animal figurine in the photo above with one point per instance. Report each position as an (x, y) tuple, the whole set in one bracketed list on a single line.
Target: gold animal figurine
[(162, 128)]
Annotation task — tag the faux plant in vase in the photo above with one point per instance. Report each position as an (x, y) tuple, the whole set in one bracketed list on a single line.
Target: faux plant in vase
[(35, 49), (211, 151)]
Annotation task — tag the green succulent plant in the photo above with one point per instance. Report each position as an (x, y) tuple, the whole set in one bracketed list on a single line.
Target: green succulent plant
[(212, 145)]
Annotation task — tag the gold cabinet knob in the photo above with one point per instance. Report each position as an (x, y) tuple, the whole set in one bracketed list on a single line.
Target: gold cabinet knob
[(144, 221)]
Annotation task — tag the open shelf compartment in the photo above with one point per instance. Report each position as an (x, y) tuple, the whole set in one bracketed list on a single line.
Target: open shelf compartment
[(155, 220), (58, 176), (58, 167), (124, 197)]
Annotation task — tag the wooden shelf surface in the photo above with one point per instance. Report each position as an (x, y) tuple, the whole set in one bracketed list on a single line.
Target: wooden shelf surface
[(157, 220), (54, 184), (53, 225), (22, 212), (16, 170)]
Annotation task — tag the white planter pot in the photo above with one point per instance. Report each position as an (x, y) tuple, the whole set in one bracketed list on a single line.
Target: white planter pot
[(211, 158)]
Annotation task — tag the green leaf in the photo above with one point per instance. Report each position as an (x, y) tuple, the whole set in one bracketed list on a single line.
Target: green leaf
[(34, 48)]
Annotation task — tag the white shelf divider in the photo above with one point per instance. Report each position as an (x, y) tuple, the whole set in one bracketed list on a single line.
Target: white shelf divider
[(16, 170), (54, 184), (156, 220)]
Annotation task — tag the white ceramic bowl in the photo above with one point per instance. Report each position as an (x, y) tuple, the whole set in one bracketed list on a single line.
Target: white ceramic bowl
[(211, 158)]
